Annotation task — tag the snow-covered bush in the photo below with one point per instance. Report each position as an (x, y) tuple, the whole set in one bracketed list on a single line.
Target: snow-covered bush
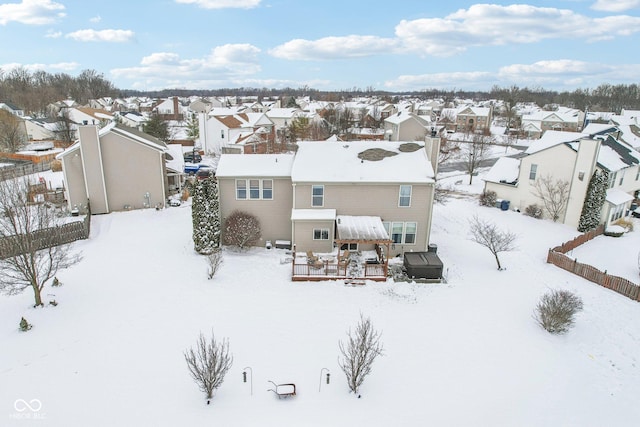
[(614, 231), (24, 325), (488, 198), (533, 211), (242, 229), (556, 310)]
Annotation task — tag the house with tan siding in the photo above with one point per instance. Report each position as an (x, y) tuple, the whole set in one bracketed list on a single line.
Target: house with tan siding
[(114, 168), (308, 198)]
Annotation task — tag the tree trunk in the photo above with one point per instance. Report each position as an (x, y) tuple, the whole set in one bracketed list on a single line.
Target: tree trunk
[(498, 261), (37, 294)]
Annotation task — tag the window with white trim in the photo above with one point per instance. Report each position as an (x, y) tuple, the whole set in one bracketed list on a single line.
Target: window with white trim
[(267, 189), (404, 199), (241, 189), (254, 189), (402, 233), (317, 195), (612, 179), (349, 247), (320, 234), (621, 176), (258, 189), (533, 171)]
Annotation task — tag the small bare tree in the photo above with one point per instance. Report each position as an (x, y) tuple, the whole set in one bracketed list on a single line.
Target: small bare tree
[(242, 229), (475, 152), (488, 235), (214, 260), (359, 351), (28, 255), (554, 194), (208, 363), (556, 310)]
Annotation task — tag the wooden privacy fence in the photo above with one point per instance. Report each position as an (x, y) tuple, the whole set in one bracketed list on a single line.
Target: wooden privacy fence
[(10, 172), (47, 238), (557, 257)]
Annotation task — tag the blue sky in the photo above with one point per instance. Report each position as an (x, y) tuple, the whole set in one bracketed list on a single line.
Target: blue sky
[(327, 45)]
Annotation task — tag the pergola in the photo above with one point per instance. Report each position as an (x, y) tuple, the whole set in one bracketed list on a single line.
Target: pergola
[(362, 230)]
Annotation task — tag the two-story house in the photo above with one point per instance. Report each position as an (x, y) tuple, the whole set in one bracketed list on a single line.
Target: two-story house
[(573, 158), (240, 133), (405, 126), (385, 189)]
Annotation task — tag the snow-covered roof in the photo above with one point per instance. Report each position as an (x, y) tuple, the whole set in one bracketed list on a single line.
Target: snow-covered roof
[(313, 214), (618, 197), (361, 228), (505, 170), (552, 138), (177, 159), (267, 165), (322, 161)]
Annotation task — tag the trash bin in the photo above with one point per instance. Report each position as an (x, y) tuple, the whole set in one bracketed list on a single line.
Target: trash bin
[(498, 203), (432, 248), (504, 205)]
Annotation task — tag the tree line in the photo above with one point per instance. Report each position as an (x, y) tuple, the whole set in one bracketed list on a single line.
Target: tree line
[(33, 91)]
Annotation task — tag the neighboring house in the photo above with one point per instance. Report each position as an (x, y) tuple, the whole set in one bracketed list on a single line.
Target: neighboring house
[(89, 116), (241, 133), (473, 119), (116, 168), (405, 126), (170, 109), (562, 120), (37, 131), (297, 198), (282, 117), (12, 108), (570, 157)]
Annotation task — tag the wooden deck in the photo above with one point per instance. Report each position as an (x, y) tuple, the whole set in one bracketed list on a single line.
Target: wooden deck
[(331, 269)]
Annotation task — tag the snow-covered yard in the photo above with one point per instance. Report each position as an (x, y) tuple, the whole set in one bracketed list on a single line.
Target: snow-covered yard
[(467, 352)]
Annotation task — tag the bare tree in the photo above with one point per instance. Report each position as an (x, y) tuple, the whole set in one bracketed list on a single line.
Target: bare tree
[(208, 363), (488, 235), (448, 148), (65, 127), (13, 133), (214, 260), (359, 351), (554, 194), (474, 153), (241, 229), (25, 259)]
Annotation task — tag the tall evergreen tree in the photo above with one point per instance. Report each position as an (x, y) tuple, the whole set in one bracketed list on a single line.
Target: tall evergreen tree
[(593, 201), (157, 127), (205, 216)]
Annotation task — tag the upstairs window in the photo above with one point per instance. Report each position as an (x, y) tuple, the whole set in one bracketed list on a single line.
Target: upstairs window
[(241, 189), (254, 188), (532, 172), (267, 189), (405, 196), (317, 195)]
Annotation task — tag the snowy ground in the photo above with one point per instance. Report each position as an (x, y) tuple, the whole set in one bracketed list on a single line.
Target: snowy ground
[(463, 353)]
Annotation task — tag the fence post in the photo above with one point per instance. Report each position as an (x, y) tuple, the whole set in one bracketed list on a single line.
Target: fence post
[(575, 265)]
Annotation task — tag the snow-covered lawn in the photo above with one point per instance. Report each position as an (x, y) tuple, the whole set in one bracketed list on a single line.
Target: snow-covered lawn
[(464, 353)]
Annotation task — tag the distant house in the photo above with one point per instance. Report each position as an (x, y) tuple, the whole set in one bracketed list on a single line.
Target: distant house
[(473, 119), (246, 133), (387, 185), (565, 120), (170, 109), (12, 108), (571, 157), (405, 126), (115, 168)]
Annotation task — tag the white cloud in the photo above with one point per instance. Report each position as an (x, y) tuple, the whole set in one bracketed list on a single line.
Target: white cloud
[(31, 12), (352, 46), (223, 64), (53, 34), (440, 80), (563, 74), (60, 66), (490, 24), (115, 36), (615, 5), (222, 4), (96, 19)]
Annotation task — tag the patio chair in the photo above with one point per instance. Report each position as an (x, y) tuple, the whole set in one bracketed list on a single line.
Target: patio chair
[(345, 256)]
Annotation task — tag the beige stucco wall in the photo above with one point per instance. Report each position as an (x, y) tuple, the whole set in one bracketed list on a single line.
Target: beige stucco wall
[(372, 200), (274, 215), (134, 169), (303, 236)]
